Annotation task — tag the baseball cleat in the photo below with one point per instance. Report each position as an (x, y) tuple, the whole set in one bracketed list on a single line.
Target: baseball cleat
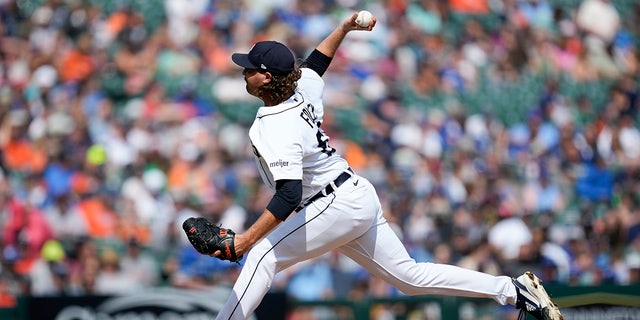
[(533, 299)]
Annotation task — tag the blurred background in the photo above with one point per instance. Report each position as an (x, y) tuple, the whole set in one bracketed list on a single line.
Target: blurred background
[(502, 136)]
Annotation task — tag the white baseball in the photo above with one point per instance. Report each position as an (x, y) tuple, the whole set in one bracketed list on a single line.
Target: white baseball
[(364, 18)]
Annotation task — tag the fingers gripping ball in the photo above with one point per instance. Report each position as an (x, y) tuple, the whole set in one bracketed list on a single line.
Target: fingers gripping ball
[(208, 238), (364, 18)]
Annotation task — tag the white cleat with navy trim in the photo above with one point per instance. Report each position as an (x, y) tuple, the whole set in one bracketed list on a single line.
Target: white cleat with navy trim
[(534, 300)]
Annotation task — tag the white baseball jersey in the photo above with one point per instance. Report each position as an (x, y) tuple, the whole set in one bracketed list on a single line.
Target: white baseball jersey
[(289, 144)]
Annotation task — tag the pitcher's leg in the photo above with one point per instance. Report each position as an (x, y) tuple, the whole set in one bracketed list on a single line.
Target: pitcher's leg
[(315, 230), (252, 284), (381, 252)]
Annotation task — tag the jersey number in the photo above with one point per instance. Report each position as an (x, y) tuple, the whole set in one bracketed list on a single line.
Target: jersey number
[(311, 119)]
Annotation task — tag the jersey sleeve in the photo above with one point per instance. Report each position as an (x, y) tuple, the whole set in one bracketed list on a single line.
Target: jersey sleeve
[(318, 62)]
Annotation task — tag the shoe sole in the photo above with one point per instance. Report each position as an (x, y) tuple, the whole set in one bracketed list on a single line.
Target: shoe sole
[(534, 285)]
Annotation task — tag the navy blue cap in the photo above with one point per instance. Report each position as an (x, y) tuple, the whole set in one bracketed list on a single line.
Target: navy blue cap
[(270, 56)]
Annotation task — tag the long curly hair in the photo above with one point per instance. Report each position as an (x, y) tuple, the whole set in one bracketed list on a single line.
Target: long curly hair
[(281, 87)]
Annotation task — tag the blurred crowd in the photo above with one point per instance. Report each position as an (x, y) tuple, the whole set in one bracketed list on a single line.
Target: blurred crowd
[(119, 119)]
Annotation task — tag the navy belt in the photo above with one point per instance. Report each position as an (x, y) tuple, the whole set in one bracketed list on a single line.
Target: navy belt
[(329, 189)]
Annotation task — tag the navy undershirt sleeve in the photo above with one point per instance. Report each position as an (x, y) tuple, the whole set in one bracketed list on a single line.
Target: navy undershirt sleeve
[(286, 199), (318, 62)]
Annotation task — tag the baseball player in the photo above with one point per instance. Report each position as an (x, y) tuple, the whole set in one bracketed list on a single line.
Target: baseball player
[(321, 204)]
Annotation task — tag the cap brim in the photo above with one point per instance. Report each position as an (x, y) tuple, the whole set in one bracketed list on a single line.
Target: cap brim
[(242, 59)]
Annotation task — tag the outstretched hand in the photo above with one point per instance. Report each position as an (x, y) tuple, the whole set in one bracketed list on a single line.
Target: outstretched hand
[(330, 44), (350, 24)]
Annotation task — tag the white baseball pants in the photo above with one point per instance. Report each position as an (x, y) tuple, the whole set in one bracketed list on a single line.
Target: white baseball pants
[(351, 221)]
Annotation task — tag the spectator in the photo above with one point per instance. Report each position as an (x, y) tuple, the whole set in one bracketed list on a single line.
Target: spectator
[(66, 224), (77, 64), (481, 259), (509, 234), (628, 137), (229, 212), (542, 194), (84, 264), (599, 18), (537, 13), (111, 278), (48, 274), (311, 281), (596, 183), (135, 55), (25, 225), (139, 264), (426, 16)]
